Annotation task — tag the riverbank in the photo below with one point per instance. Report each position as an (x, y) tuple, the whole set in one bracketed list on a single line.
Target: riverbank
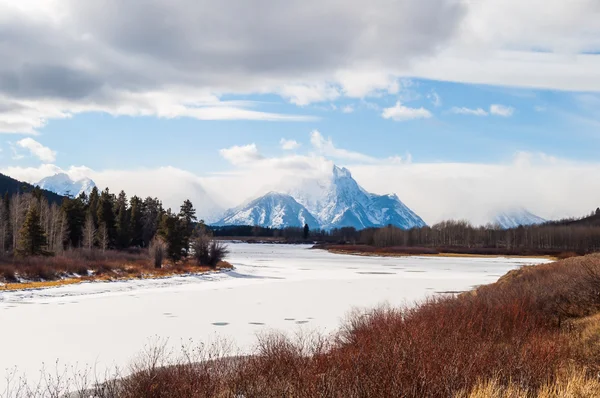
[(148, 273), (79, 266), (403, 251)]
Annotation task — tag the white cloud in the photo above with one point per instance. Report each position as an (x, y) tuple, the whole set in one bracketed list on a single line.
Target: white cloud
[(326, 148), (469, 111), (495, 109), (289, 145), (44, 153), (238, 155), (122, 58), (470, 191), (348, 109), (501, 110), (435, 99), (302, 94), (402, 113)]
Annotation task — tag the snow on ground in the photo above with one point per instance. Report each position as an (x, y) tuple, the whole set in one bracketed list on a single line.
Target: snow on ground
[(282, 287)]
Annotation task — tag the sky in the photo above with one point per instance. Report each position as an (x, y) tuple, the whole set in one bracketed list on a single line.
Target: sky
[(461, 107)]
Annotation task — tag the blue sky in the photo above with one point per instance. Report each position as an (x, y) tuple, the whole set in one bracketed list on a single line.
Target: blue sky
[(558, 123), (486, 104)]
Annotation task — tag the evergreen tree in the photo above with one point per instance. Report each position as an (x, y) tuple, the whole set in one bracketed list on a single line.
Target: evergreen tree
[(93, 201), (122, 221), (106, 217), (151, 219), (306, 232), (187, 215), (32, 240), (136, 222), (74, 210), (4, 226), (172, 230)]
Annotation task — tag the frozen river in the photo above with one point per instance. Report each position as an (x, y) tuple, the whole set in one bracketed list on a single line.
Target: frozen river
[(282, 287)]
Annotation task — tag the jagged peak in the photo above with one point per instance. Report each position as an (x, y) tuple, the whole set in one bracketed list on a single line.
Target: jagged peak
[(339, 172)]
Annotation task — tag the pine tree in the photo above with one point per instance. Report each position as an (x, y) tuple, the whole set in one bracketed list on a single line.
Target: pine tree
[(306, 231), (151, 218), (136, 222), (187, 215), (172, 230), (93, 201), (74, 209), (122, 221), (4, 226), (106, 217), (32, 240)]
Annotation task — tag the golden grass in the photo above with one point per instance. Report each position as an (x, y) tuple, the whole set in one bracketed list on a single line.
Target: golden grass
[(131, 272), (571, 384)]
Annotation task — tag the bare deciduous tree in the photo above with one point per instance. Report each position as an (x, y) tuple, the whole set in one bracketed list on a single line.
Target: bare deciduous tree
[(90, 232)]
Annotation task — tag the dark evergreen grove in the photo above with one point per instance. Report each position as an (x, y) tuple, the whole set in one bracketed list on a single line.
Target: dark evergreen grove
[(32, 225)]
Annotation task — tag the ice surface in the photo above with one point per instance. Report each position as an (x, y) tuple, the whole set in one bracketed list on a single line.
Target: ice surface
[(283, 287)]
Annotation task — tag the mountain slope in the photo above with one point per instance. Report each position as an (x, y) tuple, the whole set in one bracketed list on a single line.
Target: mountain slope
[(334, 200), (11, 186), (388, 209), (516, 217), (62, 184), (339, 201), (273, 210)]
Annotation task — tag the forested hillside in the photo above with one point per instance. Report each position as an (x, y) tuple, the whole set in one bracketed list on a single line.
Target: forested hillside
[(9, 186)]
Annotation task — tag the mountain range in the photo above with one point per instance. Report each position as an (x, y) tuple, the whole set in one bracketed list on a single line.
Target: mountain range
[(64, 185), (515, 217), (332, 202)]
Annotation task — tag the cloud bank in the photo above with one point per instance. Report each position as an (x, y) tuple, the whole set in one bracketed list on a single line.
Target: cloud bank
[(145, 58)]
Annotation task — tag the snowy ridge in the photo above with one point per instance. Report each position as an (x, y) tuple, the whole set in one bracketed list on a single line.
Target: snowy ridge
[(273, 210), (334, 201), (64, 185), (516, 217)]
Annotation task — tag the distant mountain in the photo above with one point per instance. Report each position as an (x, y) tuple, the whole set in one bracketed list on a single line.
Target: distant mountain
[(62, 184), (334, 201), (517, 217), (273, 210), (11, 186), (339, 201)]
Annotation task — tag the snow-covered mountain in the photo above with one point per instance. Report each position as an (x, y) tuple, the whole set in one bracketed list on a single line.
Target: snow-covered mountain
[(333, 201), (62, 184), (515, 217), (339, 201), (275, 210)]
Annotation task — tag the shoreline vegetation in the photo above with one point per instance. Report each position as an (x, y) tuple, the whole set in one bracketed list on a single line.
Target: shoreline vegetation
[(402, 251), (99, 237), (86, 266), (533, 333)]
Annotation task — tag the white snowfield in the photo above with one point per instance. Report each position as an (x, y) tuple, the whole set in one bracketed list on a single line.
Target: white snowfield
[(281, 287)]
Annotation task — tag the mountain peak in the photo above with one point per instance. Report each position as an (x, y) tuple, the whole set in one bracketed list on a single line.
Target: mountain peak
[(516, 216), (339, 172), (274, 209), (62, 184), (335, 202)]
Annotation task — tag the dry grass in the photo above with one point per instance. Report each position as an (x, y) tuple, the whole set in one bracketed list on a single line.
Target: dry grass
[(401, 251), (83, 266), (571, 384)]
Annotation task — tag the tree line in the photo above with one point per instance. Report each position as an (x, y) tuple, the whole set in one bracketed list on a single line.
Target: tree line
[(575, 237), (31, 225)]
